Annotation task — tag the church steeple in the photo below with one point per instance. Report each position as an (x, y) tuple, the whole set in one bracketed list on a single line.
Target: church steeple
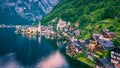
[(39, 27)]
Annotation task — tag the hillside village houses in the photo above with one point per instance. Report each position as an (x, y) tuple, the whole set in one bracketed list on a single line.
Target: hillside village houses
[(97, 43), (101, 41)]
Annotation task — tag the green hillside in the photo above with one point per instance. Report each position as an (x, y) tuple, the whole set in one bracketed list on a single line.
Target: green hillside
[(93, 15)]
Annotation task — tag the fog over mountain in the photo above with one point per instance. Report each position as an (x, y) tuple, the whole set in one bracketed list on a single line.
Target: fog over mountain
[(24, 11)]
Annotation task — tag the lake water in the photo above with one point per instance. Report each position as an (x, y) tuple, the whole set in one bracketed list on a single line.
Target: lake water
[(19, 51)]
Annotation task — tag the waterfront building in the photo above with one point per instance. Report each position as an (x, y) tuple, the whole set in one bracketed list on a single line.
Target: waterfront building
[(68, 49), (76, 47), (31, 30), (115, 57)]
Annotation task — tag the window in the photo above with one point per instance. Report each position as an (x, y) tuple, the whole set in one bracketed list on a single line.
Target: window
[(112, 52), (116, 54), (112, 55), (118, 58)]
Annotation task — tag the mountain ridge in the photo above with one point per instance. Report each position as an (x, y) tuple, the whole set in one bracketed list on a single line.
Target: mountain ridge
[(26, 10)]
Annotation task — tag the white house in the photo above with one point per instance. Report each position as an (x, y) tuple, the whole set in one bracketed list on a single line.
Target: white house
[(61, 24)]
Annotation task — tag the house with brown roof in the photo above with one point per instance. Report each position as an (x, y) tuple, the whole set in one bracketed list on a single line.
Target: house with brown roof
[(104, 44), (108, 34), (93, 41), (98, 42), (75, 47)]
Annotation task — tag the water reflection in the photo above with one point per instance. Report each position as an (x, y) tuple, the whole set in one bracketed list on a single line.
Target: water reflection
[(32, 37), (8, 61), (55, 60)]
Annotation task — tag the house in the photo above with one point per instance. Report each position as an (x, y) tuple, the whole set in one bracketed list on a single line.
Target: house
[(93, 41), (17, 28), (77, 32), (115, 57), (73, 39), (83, 42), (65, 33), (66, 29), (71, 28), (68, 23), (77, 24), (103, 63), (75, 47), (108, 34), (32, 30), (61, 24), (89, 56), (104, 44), (68, 49)]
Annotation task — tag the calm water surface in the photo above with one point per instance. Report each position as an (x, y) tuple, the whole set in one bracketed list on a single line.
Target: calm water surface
[(18, 51)]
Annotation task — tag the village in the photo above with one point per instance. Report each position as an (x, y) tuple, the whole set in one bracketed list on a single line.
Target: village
[(97, 51)]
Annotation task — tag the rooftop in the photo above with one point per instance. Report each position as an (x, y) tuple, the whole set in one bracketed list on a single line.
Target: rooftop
[(117, 49), (61, 23), (77, 45), (109, 33), (102, 61), (105, 30), (96, 36), (106, 43)]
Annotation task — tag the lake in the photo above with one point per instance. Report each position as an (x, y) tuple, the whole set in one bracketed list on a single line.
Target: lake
[(20, 51)]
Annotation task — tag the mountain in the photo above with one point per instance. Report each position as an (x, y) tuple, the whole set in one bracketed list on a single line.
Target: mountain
[(93, 15), (24, 11)]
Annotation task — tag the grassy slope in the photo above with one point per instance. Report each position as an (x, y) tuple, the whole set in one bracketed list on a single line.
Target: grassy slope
[(93, 15)]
